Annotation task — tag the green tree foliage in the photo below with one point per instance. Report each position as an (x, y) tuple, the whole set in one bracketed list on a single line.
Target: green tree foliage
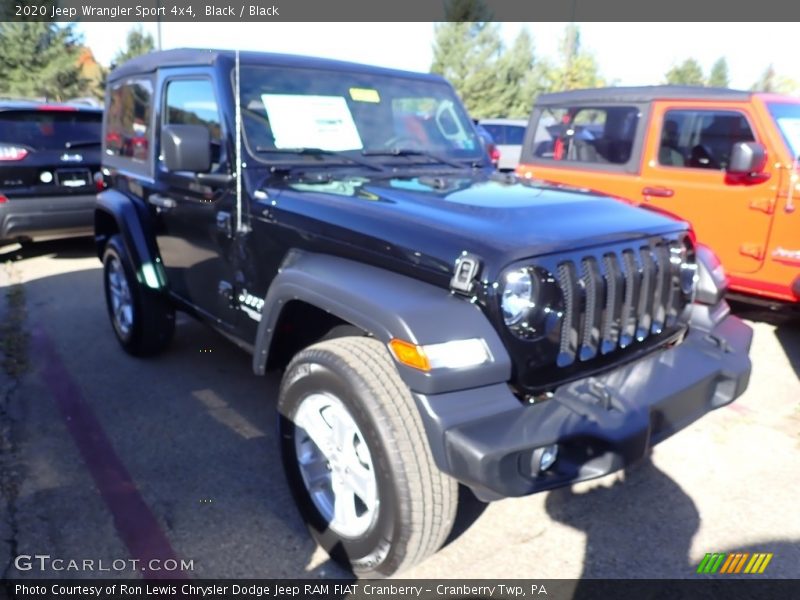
[(719, 74), (467, 55), (689, 72), (518, 79), (467, 11), (138, 42), (773, 83), (576, 68), (40, 60)]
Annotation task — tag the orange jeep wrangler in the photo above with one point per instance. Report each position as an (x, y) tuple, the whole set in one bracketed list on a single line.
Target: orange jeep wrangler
[(724, 160)]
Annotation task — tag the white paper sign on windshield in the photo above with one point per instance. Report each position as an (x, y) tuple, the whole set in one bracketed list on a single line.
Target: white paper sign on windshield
[(299, 121)]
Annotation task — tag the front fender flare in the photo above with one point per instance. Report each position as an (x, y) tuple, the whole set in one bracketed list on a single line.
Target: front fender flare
[(386, 305)]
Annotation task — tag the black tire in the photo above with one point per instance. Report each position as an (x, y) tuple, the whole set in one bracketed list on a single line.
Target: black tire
[(416, 501), (152, 321)]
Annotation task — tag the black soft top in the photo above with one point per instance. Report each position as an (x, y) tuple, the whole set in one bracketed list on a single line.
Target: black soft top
[(188, 57), (643, 94)]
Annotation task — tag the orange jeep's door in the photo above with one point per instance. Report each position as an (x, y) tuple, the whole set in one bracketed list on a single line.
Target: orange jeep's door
[(595, 145), (780, 275), (684, 172)]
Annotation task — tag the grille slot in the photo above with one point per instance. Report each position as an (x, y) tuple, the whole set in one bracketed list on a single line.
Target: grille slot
[(568, 345), (617, 298)]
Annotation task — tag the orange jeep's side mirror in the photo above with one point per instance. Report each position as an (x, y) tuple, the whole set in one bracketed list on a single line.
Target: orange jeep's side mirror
[(748, 160)]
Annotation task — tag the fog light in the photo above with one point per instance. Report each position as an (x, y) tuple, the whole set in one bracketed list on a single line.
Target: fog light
[(544, 458), (46, 177)]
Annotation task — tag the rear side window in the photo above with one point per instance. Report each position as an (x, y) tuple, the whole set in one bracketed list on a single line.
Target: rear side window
[(599, 135), (497, 132), (514, 135), (701, 139), (50, 129), (128, 132), (511, 135)]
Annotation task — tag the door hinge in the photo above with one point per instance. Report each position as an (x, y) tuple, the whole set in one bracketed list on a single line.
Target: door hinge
[(753, 250), (766, 205)]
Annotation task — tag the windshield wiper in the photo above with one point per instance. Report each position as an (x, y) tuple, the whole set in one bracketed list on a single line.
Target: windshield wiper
[(414, 152), (82, 143), (320, 152)]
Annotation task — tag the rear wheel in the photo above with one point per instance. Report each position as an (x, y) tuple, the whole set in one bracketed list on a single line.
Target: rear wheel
[(143, 321), (358, 461)]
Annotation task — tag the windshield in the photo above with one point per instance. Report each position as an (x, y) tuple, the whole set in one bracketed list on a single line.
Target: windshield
[(352, 113), (787, 117), (49, 129)]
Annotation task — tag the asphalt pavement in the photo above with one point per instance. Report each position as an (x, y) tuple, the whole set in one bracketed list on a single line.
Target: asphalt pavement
[(112, 459)]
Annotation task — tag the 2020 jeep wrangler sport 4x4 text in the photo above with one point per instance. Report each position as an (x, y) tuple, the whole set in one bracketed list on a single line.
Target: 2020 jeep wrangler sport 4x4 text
[(437, 323)]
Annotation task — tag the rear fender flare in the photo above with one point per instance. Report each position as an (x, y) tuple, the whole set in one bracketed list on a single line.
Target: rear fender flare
[(135, 226)]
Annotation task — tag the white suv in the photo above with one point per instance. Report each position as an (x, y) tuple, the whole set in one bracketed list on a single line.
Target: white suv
[(508, 135)]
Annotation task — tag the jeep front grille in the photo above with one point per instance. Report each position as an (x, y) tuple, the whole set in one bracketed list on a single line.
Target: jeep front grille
[(613, 299)]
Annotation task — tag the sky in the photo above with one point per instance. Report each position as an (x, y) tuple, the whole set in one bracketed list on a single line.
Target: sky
[(628, 53)]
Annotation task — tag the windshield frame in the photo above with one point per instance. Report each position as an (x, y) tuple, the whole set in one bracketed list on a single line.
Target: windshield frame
[(771, 105), (330, 158)]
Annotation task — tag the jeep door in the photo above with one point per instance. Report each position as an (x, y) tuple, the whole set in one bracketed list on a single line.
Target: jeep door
[(194, 214), (686, 155)]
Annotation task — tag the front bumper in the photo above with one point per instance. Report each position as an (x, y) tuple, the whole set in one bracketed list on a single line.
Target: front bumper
[(485, 437), (46, 217)]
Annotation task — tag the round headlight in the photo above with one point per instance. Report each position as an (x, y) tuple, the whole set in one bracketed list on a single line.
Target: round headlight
[(518, 296)]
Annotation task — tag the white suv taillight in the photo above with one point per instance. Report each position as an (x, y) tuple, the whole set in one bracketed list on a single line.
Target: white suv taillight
[(9, 153)]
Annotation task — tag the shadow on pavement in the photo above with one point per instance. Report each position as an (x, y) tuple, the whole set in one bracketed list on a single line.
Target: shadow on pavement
[(642, 526), (787, 327), (80, 247), (789, 337), (623, 538), (469, 510)]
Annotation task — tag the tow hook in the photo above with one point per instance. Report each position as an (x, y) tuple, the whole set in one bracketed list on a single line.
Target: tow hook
[(600, 391)]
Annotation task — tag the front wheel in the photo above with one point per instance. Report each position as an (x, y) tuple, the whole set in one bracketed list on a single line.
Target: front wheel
[(357, 459)]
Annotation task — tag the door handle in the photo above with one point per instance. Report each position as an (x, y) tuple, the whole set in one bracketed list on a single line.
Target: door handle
[(161, 202), (659, 192)]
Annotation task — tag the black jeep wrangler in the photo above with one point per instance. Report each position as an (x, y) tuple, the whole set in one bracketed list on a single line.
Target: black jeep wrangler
[(437, 323)]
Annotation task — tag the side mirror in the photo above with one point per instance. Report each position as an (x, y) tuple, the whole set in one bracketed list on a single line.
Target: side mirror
[(186, 148), (746, 158)]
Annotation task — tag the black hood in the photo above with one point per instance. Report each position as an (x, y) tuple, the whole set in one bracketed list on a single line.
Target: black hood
[(429, 221)]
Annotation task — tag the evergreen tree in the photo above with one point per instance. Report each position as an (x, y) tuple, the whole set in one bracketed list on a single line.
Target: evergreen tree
[(719, 74), (576, 68), (138, 42), (467, 11), (773, 83), (467, 55), (768, 82), (40, 60), (688, 72), (518, 80)]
